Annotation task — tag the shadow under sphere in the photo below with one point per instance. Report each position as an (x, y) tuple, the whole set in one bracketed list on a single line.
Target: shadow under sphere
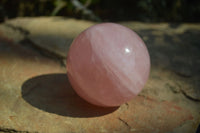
[(53, 93)]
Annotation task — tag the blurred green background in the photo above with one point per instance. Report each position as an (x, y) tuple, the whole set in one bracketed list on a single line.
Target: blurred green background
[(105, 10)]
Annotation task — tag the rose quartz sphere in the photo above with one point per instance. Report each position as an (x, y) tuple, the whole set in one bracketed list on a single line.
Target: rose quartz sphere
[(108, 64)]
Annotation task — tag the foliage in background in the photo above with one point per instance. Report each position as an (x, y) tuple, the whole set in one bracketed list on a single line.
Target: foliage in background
[(106, 10)]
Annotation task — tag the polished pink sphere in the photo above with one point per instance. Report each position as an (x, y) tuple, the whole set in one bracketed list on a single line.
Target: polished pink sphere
[(108, 64)]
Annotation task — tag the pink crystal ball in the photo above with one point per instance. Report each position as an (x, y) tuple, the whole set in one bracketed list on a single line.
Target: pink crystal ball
[(108, 64)]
